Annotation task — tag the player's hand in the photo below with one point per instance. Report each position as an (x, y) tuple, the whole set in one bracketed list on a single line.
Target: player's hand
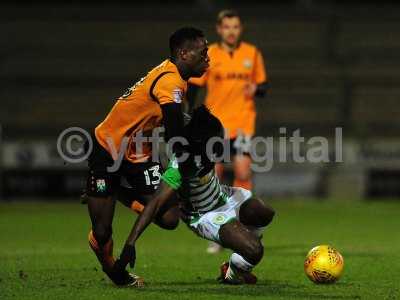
[(249, 89), (128, 256)]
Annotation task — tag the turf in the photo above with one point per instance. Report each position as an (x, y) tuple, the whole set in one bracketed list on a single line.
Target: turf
[(44, 254)]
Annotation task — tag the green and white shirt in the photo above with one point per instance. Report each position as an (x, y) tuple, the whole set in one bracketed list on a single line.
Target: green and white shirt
[(200, 193)]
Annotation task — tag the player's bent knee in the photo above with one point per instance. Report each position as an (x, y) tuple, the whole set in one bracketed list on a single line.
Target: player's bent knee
[(168, 224), (255, 212), (269, 214), (168, 221), (102, 234)]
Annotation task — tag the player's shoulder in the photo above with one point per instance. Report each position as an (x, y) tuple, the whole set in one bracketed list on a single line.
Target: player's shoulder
[(246, 46), (167, 73), (164, 68)]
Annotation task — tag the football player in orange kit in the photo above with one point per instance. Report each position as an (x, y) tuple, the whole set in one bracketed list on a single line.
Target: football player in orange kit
[(153, 101), (236, 75)]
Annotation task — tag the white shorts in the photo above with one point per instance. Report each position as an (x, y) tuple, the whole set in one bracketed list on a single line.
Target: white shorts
[(208, 225)]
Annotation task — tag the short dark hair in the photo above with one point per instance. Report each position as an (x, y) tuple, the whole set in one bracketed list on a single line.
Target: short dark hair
[(181, 36), (203, 125), (227, 13)]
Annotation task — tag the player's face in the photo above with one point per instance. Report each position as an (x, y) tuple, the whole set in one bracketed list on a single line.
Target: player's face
[(230, 30), (197, 58)]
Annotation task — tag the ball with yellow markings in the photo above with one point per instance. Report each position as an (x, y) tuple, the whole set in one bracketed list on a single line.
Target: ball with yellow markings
[(323, 264)]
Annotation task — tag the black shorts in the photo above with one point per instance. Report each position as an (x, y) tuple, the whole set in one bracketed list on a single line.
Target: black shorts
[(142, 178)]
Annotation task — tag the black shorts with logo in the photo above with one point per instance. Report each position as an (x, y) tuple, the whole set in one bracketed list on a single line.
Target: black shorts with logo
[(143, 178)]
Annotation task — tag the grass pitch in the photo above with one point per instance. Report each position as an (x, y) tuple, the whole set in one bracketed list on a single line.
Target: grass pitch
[(44, 254)]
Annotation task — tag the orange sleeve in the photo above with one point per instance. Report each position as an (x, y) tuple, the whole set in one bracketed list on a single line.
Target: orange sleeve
[(259, 73), (170, 88), (199, 81)]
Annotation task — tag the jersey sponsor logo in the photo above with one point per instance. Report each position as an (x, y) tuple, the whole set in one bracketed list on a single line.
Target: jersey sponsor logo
[(232, 76), (177, 95), (238, 76), (218, 77)]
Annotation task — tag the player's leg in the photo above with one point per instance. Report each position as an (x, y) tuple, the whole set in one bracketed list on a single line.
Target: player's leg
[(256, 215), (214, 248), (101, 206), (242, 171), (168, 215), (244, 235), (248, 252), (167, 218), (241, 161), (126, 196), (101, 211), (137, 188), (100, 188)]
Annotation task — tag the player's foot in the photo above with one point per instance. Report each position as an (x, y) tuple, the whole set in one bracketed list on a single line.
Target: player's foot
[(125, 279), (136, 281), (222, 271), (239, 278), (214, 248), (249, 278)]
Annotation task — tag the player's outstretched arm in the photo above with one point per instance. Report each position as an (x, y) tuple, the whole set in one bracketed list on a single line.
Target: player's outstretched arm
[(128, 255)]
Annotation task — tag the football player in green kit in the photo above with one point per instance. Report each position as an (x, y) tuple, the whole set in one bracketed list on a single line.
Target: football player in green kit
[(229, 216)]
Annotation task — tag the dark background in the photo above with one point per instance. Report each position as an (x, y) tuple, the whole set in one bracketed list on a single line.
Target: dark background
[(331, 63)]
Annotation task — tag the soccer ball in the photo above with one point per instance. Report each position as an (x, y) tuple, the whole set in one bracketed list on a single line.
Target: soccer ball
[(323, 264)]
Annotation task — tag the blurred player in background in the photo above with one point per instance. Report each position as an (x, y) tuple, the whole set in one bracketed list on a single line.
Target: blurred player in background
[(236, 75), (153, 101)]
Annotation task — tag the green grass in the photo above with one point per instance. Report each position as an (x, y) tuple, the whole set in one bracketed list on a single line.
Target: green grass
[(44, 254)]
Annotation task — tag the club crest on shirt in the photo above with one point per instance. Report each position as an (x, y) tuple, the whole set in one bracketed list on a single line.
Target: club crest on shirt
[(247, 63), (206, 178), (177, 95), (219, 219), (101, 185)]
